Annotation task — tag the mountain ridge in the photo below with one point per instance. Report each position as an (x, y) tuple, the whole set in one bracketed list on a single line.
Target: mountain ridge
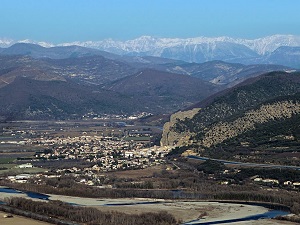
[(98, 67), (146, 43), (261, 45), (39, 94), (199, 49)]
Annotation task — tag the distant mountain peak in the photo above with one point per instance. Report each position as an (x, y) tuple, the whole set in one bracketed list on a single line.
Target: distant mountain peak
[(260, 45), (197, 49), (41, 43), (211, 48), (5, 42)]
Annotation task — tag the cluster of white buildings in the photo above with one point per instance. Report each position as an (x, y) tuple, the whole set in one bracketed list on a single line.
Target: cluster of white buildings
[(107, 153), (275, 181), (135, 116)]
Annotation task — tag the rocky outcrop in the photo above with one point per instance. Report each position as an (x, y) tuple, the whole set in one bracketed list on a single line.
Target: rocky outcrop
[(172, 138)]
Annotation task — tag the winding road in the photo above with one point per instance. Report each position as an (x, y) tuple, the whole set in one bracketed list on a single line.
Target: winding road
[(245, 164)]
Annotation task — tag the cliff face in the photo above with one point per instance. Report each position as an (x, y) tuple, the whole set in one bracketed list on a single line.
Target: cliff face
[(172, 138), (256, 104)]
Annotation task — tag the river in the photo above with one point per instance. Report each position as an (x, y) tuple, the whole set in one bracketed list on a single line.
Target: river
[(259, 213)]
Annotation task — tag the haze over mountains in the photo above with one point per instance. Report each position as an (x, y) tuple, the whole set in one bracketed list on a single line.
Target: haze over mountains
[(35, 81), (99, 67), (199, 49), (72, 87)]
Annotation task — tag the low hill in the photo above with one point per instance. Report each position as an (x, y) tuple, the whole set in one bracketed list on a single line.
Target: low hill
[(219, 72), (39, 95), (90, 69), (24, 66), (25, 98), (59, 52), (87, 70), (167, 89)]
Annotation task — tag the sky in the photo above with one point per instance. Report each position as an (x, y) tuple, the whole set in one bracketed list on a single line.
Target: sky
[(59, 21)]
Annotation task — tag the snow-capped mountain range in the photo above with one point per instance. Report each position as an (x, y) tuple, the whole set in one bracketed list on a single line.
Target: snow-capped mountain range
[(153, 44), (198, 49)]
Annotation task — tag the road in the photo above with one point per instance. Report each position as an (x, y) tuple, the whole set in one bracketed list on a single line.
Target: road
[(245, 164)]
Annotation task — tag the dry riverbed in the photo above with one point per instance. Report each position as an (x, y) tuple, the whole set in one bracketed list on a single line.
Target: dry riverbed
[(182, 210)]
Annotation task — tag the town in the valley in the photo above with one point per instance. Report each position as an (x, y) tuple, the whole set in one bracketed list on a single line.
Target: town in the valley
[(86, 148)]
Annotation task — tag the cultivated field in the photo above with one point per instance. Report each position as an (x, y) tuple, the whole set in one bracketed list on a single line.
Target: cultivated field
[(19, 220), (135, 174)]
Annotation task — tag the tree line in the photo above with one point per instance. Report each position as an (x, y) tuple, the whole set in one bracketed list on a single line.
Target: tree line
[(88, 215)]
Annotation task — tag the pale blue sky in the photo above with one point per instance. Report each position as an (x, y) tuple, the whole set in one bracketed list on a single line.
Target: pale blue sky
[(59, 21)]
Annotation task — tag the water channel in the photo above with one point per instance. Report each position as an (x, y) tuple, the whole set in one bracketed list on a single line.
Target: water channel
[(270, 214)]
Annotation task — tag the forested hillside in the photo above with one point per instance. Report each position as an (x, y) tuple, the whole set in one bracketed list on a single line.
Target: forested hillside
[(255, 119)]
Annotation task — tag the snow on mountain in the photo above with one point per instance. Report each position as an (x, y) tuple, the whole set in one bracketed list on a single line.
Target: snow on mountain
[(155, 46), (198, 49), (270, 43), (4, 43), (41, 43), (147, 44)]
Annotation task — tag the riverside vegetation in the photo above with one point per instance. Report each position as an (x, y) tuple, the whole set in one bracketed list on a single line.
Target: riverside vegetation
[(85, 215), (195, 181)]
